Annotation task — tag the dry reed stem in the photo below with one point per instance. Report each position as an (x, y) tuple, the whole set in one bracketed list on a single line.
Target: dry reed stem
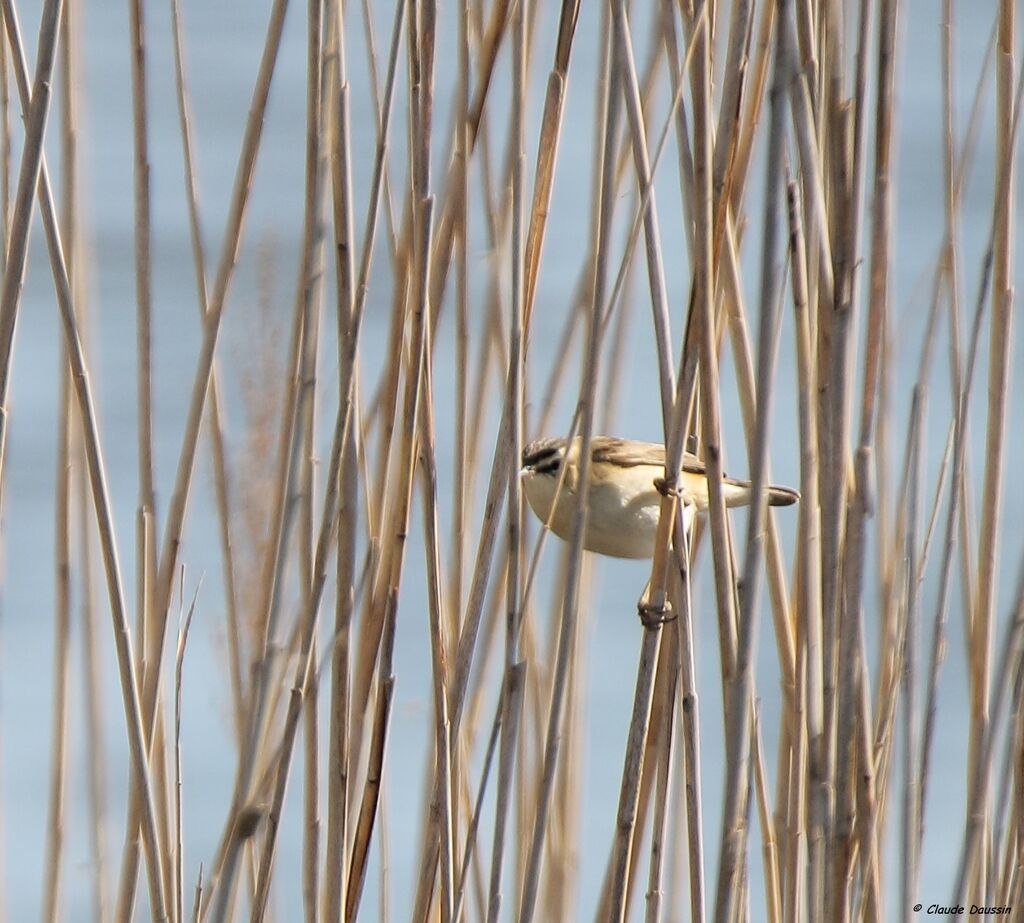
[(284, 512), (851, 662), (460, 476), (733, 85), (842, 626), (342, 434), (497, 27), (474, 823), (310, 289), (702, 325), (385, 599), (689, 709), (912, 807), (739, 689), (570, 600), (94, 726), (511, 713), (61, 656), (5, 148), (440, 809), (619, 877), (769, 846), (35, 109), (347, 376), (629, 794), (230, 247), (179, 662), (982, 613), (215, 424), (229, 252), (311, 801), (5, 226), (622, 47), (336, 840), (547, 150), (371, 795), (809, 587), (743, 360), (523, 281), (665, 749), (145, 569), (66, 446), (100, 493), (197, 900), (976, 826), (339, 771), (144, 312), (678, 67), (306, 630)]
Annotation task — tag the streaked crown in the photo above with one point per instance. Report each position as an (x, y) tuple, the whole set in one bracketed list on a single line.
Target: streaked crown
[(544, 456)]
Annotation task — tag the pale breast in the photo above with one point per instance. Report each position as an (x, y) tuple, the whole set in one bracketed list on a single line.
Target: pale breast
[(623, 516)]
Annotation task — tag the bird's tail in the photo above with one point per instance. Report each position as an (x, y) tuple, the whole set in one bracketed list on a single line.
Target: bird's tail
[(782, 496)]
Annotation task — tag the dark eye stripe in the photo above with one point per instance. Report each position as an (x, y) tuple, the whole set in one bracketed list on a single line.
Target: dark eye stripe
[(545, 460)]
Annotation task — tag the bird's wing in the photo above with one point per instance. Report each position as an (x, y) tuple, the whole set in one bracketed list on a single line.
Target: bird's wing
[(629, 453), (692, 464), (626, 452)]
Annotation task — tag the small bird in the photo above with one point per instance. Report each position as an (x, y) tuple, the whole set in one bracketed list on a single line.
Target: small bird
[(624, 497)]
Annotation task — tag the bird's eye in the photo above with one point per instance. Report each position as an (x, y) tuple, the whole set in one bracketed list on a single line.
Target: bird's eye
[(543, 459)]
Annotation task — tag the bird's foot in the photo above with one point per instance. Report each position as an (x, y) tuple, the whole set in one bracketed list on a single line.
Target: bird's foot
[(666, 489), (653, 615)]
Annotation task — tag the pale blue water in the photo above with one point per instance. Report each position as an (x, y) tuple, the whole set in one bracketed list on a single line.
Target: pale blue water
[(222, 51)]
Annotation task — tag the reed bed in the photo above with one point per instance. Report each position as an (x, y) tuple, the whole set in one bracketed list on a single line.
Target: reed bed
[(520, 219)]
